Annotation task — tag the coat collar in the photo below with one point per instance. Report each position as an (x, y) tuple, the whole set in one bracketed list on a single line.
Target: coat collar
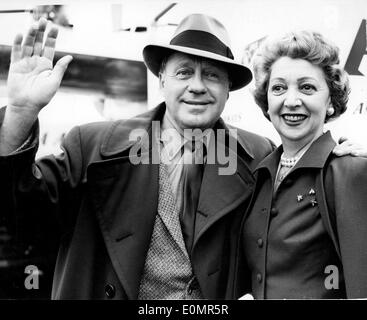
[(315, 157), (117, 139)]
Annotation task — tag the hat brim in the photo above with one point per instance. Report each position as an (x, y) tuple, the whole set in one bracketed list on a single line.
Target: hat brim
[(239, 74)]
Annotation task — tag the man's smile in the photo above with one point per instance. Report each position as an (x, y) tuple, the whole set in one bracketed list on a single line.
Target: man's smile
[(197, 102)]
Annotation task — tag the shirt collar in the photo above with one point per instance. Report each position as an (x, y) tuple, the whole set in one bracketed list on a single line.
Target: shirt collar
[(173, 138)]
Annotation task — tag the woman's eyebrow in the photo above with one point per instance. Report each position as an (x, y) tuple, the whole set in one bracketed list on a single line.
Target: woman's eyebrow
[(277, 79), (306, 78)]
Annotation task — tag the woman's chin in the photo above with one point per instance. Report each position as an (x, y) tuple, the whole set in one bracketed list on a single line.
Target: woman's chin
[(298, 137)]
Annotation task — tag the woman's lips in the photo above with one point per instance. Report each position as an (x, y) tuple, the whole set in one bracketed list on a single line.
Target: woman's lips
[(294, 119)]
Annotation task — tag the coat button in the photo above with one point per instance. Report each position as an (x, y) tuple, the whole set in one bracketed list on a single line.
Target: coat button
[(193, 285), (274, 212), (260, 242), (259, 277), (110, 290)]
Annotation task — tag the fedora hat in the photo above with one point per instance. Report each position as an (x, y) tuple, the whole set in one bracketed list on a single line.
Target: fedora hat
[(203, 36)]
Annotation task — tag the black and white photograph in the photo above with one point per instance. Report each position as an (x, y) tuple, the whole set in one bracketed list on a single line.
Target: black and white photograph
[(195, 152)]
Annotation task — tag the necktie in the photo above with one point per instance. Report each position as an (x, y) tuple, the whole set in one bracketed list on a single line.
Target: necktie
[(192, 176)]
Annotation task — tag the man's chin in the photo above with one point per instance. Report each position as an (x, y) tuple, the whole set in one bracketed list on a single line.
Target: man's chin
[(197, 124)]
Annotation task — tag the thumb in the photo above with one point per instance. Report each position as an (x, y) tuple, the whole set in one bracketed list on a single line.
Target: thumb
[(61, 66)]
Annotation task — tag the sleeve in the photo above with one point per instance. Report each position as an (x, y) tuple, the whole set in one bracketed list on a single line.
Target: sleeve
[(348, 178), (25, 144), (40, 198)]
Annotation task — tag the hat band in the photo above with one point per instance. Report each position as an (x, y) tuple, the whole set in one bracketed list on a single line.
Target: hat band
[(202, 40)]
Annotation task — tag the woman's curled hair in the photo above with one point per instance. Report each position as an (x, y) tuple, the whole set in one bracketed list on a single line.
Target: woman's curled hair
[(312, 47)]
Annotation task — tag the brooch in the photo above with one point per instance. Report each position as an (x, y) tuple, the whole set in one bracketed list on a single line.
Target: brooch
[(311, 194)]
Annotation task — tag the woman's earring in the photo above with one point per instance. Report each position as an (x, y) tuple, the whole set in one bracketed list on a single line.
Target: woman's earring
[(330, 111)]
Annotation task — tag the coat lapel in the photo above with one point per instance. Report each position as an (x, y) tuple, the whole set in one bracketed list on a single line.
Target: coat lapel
[(126, 219), (221, 193), (124, 195)]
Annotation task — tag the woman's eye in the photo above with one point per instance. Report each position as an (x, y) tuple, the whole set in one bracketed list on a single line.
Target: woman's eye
[(278, 89), (308, 88)]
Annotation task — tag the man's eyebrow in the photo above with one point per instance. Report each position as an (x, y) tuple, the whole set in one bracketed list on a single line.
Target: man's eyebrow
[(214, 65), (183, 63)]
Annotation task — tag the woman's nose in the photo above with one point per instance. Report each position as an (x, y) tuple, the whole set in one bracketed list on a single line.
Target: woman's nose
[(292, 100)]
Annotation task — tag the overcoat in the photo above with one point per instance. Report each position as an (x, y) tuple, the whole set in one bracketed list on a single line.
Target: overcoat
[(341, 189), (98, 207)]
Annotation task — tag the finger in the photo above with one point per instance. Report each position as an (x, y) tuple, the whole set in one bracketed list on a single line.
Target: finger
[(37, 49), (16, 50), (60, 68), (28, 43), (345, 144), (49, 49), (342, 151), (342, 139), (352, 149), (359, 153)]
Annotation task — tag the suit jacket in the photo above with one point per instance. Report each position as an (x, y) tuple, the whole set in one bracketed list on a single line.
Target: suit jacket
[(99, 208)]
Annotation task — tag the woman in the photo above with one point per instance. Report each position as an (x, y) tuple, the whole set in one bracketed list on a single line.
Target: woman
[(305, 234)]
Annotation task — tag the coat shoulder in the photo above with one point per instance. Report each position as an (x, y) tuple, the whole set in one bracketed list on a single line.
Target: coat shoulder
[(259, 146), (348, 167), (257, 140), (93, 134)]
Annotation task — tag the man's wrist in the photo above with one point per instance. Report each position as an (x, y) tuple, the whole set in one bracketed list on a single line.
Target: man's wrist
[(15, 130), (21, 113)]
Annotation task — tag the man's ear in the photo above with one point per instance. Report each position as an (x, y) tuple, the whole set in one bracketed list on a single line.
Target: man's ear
[(229, 88), (161, 80)]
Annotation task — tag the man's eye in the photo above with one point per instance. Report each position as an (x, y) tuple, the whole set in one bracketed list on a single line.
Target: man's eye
[(211, 75), (184, 73)]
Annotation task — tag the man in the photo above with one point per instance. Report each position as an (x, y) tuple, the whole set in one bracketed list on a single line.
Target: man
[(128, 228)]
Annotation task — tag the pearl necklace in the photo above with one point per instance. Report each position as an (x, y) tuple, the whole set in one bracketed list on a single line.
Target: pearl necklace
[(288, 162)]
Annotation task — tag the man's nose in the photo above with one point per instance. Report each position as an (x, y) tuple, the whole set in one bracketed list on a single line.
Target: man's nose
[(197, 84), (292, 100)]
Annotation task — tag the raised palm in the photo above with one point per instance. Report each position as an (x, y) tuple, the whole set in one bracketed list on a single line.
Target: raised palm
[(32, 79)]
